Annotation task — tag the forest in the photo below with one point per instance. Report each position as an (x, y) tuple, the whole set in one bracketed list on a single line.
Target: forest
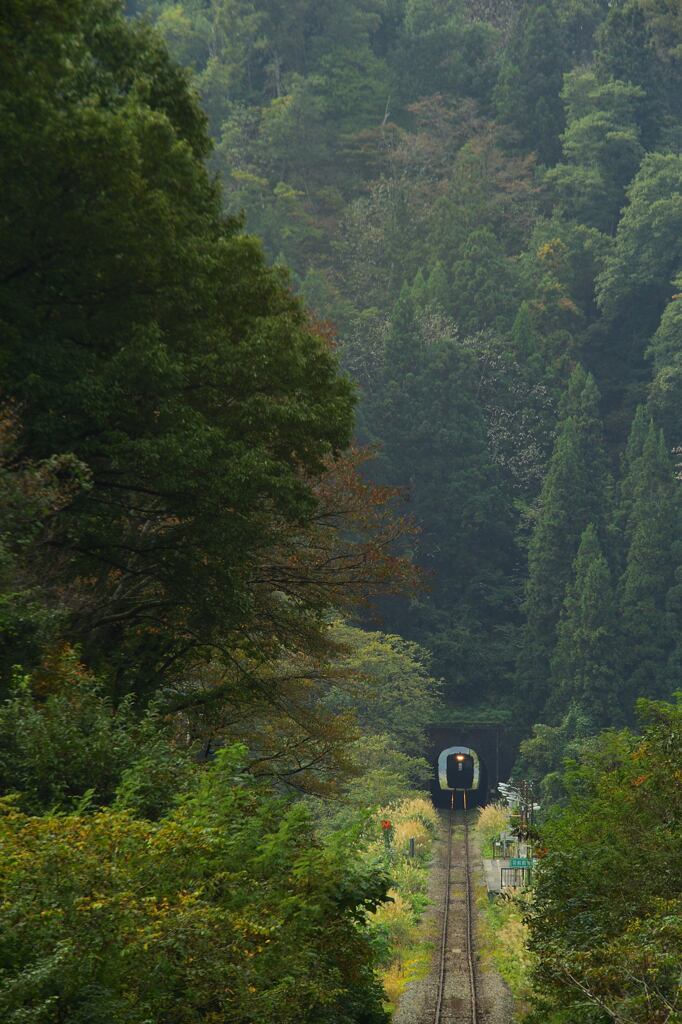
[(341, 378)]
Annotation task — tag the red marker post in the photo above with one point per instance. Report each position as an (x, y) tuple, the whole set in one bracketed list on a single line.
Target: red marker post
[(387, 829)]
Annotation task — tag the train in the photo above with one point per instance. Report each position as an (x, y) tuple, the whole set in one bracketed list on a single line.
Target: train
[(459, 776)]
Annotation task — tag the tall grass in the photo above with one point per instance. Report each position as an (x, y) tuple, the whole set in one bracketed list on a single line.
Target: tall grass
[(492, 819), (506, 937), (396, 926)]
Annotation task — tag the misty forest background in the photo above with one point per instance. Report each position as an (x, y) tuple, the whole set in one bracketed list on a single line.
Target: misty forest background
[(484, 201), (341, 377)]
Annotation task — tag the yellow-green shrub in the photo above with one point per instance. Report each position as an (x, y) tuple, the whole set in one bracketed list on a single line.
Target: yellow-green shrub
[(419, 809), (397, 919), (403, 831), (492, 819), (396, 925), (508, 938)]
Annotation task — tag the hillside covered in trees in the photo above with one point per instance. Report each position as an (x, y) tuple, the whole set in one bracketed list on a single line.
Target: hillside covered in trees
[(484, 200), (341, 388)]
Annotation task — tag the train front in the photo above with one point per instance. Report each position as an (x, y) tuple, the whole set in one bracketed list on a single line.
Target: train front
[(458, 776)]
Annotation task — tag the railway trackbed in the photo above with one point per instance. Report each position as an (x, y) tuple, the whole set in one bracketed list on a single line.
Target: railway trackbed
[(456, 953), (459, 988)]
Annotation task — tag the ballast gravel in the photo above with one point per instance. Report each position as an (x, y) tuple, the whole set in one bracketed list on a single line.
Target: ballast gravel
[(418, 1001)]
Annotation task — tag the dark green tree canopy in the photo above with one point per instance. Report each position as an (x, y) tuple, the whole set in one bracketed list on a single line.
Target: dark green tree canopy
[(527, 92), (651, 519), (145, 334), (436, 444), (573, 496), (637, 278), (601, 147), (585, 660)]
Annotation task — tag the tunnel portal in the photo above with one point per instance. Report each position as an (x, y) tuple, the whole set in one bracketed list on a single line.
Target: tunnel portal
[(492, 746)]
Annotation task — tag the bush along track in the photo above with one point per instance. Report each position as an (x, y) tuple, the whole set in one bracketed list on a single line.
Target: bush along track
[(409, 830), (503, 929)]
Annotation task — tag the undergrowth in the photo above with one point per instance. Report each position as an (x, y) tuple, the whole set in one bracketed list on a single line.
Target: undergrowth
[(503, 933), (397, 927), (492, 819), (504, 923)]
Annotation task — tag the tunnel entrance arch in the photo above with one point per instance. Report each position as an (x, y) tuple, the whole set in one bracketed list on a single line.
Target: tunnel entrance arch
[(495, 744)]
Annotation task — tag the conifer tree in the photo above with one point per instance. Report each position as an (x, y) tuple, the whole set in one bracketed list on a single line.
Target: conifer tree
[(388, 419), (436, 446), (652, 531), (626, 50), (584, 662), (527, 94), (419, 292), (574, 495), (437, 288), (665, 349), (482, 283), (601, 149), (629, 474), (524, 337)]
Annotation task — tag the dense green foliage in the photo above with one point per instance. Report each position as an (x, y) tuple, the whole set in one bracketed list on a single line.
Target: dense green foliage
[(585, 665), (181, 522), (572, 499), (64, 746), (485, 200), (145, 335), (231, 908), (607, 910)]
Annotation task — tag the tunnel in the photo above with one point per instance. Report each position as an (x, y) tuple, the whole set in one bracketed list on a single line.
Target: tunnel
[(459, 773), (495, 744)]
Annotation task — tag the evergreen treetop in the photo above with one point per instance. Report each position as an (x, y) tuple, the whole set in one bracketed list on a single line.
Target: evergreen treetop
[(574, 495), (585, 660)]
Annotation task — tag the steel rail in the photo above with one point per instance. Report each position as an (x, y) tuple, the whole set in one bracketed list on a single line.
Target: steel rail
[(444, 933), (469, 922)]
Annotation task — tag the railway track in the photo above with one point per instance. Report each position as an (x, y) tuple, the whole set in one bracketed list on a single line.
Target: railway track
[(457, 930)]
